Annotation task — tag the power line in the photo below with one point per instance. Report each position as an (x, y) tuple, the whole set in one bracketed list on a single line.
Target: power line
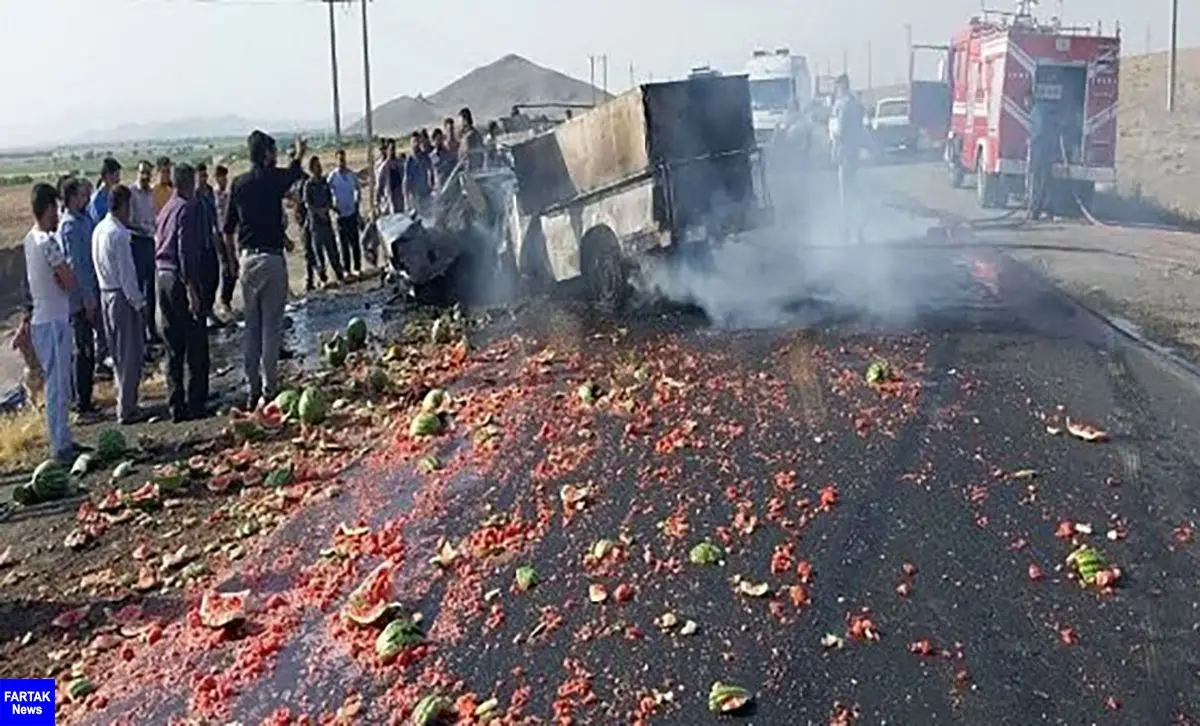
[(292, 3)]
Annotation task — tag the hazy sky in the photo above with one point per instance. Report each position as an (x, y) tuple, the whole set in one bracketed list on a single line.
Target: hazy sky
[(84, 64)]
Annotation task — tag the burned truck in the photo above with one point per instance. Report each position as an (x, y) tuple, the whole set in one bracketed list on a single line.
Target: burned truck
[(660, 168)]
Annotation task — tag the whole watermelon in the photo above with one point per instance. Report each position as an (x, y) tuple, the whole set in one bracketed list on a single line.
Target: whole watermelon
[(288, 401), (425, 424), (312, 406), (356, 333), (50, 481), (378, 380), (110, 445), (430, 710)]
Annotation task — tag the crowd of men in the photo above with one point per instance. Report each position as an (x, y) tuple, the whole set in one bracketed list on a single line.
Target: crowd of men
[(114, 271), (410, 181)]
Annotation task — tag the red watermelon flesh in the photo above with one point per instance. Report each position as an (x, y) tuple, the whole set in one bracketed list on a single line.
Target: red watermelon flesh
[(219, 609), (370, 601)]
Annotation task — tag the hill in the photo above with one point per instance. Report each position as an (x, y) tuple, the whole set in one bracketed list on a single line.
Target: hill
[(194, 127), (490, 91)]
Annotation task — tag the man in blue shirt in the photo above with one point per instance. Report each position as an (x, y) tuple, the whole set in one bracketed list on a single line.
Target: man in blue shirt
[(75, 234), (110, 176), (417, 174), (347, 192)]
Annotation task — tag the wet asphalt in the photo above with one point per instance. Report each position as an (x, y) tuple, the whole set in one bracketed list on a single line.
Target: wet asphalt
[(994, 352)]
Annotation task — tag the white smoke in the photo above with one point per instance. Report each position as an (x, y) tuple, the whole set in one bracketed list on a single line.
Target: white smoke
[(805, 269)]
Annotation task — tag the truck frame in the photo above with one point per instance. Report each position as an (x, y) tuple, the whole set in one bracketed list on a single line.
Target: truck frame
[(661, 166), (998, 68)]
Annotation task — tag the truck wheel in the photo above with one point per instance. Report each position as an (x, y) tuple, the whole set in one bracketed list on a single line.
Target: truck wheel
[(956, 173), (985, 186), (604, 270)]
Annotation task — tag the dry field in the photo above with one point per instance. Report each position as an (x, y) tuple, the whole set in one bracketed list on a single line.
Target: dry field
[(14, 199), (15, 221)]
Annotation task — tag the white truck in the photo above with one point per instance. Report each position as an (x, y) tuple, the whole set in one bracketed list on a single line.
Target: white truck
[(781, 95)]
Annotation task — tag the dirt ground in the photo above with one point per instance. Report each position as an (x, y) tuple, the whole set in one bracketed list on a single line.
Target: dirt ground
[(890, 552), (1158, 153)]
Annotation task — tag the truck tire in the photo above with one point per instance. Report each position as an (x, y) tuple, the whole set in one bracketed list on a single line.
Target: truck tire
[(956, 173), (604, 270), (986, 186), (954, 168)]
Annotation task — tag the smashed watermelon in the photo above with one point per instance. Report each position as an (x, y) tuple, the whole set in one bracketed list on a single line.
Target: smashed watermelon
[(335, 351), (222, 609), (398, 635), (170, 478), (288, 402), (371, 600), (147, 497)]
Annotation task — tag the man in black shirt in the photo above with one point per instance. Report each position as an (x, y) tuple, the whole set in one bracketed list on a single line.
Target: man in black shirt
[(255, 221), (317, 198)]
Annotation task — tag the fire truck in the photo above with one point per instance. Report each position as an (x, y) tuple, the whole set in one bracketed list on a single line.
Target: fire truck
[(1000, 67)]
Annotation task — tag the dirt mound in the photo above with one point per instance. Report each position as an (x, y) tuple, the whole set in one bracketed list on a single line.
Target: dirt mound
[(1157, 151), (490, 92)]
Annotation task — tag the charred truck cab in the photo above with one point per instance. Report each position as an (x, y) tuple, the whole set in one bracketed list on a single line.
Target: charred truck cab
[(661, 166), (1004, 64)]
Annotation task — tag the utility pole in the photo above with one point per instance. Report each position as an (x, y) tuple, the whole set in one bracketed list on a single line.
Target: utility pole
[(632, 81), (604, 74), (870, 69), (908, 47), (592, 76), (845, 62), (1173, 60), (337, 103), (367, 119)]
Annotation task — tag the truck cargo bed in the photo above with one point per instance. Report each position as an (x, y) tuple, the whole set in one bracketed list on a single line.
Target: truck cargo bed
[(698, 126)]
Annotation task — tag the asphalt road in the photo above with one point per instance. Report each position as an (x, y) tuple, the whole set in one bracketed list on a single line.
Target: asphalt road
[(738, 428)]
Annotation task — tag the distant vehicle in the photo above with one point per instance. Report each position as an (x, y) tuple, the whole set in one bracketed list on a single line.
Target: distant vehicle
[(891, 126), (998, 70), (703, 72), (781, 97)]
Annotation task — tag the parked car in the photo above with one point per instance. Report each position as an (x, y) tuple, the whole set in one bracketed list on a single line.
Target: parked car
[(892, 128)]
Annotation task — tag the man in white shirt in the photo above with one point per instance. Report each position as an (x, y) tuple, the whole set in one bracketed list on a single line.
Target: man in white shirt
[(121, 301), (142, 222), (48, 321)]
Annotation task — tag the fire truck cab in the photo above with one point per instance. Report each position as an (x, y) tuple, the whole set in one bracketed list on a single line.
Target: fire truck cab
[(999, 69)]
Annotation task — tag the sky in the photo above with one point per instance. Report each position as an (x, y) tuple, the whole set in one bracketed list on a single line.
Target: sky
[(156, 60)]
